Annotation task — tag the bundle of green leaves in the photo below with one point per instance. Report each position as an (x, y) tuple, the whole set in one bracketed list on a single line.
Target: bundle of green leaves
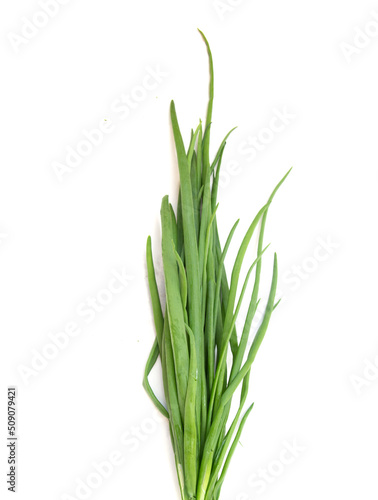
[(197, 329)]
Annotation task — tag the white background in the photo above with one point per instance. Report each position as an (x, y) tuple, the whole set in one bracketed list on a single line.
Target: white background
[(61, 241)]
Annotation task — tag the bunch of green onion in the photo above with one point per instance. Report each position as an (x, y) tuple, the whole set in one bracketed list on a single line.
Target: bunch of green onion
[(198, 325)]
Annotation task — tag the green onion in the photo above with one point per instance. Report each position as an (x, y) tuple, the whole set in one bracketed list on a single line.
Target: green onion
[(197, 329)]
